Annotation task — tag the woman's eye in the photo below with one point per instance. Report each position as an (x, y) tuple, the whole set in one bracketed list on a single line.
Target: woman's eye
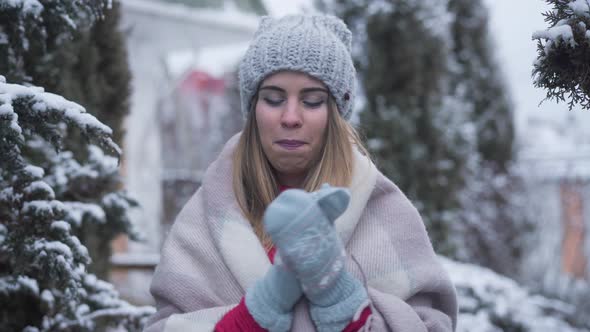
[(313, 104), (273, 102)]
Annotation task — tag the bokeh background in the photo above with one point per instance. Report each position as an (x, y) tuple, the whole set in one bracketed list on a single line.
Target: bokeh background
[(447, 105)]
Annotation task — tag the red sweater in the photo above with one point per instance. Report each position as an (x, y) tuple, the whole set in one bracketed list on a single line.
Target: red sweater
[(240, 319)]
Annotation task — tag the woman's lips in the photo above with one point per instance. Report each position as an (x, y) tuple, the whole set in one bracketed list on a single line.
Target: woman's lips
[(290, 144)]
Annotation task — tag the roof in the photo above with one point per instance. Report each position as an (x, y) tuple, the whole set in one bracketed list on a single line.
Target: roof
[(249, 6), (199, 16)]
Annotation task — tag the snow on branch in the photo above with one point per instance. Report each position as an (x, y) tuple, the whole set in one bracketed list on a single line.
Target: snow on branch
[(26, 7), (491, 302), (562, 66), (29, 107)]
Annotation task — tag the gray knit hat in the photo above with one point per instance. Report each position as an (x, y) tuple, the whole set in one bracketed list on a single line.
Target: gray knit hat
[(318, 45)]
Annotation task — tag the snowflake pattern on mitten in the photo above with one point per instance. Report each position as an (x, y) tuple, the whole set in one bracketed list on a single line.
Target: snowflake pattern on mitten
[(301, 227)]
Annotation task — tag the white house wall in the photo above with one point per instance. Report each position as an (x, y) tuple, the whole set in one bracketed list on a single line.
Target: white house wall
[(543, 259), (153, 31)]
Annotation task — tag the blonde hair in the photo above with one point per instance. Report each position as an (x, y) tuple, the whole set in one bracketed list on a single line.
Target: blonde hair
[(254, 181)]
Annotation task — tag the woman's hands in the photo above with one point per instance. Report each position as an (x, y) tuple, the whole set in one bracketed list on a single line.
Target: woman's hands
[(301, 227), (270, 301)]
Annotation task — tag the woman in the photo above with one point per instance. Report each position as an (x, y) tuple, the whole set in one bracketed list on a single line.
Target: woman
[(293, 227)]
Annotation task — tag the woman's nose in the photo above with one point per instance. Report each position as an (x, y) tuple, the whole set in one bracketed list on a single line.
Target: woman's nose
[(291, 117)]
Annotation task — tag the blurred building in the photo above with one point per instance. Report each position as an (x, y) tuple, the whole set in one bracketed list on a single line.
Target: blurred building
[(556, 162), (183, 56)]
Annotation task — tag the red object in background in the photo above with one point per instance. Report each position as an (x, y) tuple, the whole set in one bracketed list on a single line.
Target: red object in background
[(573, 260), (198, 80)]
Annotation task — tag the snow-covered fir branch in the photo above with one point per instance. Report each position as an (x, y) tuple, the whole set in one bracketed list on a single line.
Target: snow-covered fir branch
[(46, 263), (493, 303), (34, 107), (562, 66)]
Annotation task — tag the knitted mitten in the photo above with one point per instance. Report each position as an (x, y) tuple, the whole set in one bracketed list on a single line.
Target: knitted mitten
[(305, 237), (271, 299)]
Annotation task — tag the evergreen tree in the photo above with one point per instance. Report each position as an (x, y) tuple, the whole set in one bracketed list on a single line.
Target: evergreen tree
[(492, 220), (477, 80), (89, 67), (563, 61), (31, 32), (77, 51), (95, 73), (46, 197), (44, 285), (98, 74), (440, 123), (417, 68), (418, 132)]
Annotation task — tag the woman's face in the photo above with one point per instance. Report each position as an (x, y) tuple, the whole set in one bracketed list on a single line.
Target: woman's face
[(292, 116)]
